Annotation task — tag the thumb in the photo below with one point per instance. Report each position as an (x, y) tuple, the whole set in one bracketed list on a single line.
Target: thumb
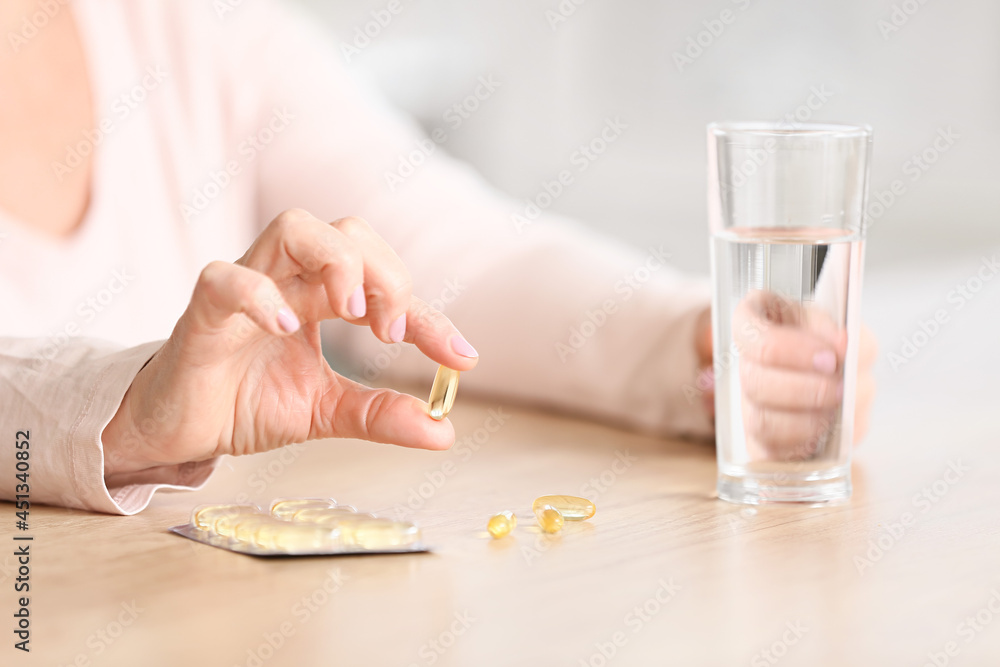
[(352, 410)]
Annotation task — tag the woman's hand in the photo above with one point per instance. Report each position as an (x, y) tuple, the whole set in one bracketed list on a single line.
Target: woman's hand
[(790, 365), (243, 370)]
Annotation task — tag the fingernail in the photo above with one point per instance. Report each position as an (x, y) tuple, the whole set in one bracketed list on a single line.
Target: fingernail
[(398, 329), (462, 347), (825, 361), (356, 303), (287, 320)]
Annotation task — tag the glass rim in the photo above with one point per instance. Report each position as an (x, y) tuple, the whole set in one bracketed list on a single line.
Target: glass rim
[(781, 129)]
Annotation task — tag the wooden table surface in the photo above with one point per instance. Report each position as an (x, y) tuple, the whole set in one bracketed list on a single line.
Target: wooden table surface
[(906, 573), (663, 574)]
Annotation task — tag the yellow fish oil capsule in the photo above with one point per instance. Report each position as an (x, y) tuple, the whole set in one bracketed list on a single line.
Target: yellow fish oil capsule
[(443, 392), (374, 534), (285, 508), (300, 527), (325, 516), (249, 528), (549, 519), (207, 517), (284, 536), (501, 524), (572, 508)]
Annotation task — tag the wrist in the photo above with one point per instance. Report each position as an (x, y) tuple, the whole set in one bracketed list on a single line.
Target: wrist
[(122, 440)]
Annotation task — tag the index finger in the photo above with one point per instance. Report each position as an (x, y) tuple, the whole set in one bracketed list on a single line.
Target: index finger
[(435, 335), (784, 341)]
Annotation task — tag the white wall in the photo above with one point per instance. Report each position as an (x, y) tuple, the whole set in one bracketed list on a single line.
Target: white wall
[(940, 69)]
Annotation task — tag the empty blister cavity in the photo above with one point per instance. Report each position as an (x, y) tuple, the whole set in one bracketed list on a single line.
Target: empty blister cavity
[(220, 518), (285, 508)]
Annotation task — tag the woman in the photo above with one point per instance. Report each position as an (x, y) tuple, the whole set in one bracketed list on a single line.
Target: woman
[(146, 143)]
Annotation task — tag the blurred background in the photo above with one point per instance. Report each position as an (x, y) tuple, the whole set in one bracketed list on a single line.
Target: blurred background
[(519, 86), (914, 70)]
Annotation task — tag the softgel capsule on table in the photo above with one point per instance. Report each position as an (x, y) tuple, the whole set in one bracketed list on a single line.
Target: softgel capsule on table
[(572, 508), (549, 519), (501, 524)]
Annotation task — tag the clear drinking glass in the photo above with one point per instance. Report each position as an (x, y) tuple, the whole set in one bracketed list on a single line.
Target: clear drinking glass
[(786, 214)]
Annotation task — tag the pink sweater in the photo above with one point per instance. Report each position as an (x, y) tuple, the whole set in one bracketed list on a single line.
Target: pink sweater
[(208, 127)]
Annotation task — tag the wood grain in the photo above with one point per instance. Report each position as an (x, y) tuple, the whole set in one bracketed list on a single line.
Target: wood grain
[(731, 580)]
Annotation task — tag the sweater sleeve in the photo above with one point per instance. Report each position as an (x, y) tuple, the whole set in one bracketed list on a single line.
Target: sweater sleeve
[(58, 400), (562, 317)]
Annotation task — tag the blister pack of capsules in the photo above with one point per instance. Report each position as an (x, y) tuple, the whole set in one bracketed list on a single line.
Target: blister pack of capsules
[(300, 527)]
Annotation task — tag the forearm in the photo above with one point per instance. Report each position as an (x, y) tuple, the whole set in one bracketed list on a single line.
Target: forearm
[(520, 292), (562, 317), (65, 397)]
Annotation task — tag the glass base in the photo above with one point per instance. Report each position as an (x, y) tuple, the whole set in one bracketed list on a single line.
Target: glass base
[(756, 490)]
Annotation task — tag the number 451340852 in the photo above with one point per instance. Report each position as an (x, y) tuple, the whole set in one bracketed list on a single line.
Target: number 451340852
[(22, 465)]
